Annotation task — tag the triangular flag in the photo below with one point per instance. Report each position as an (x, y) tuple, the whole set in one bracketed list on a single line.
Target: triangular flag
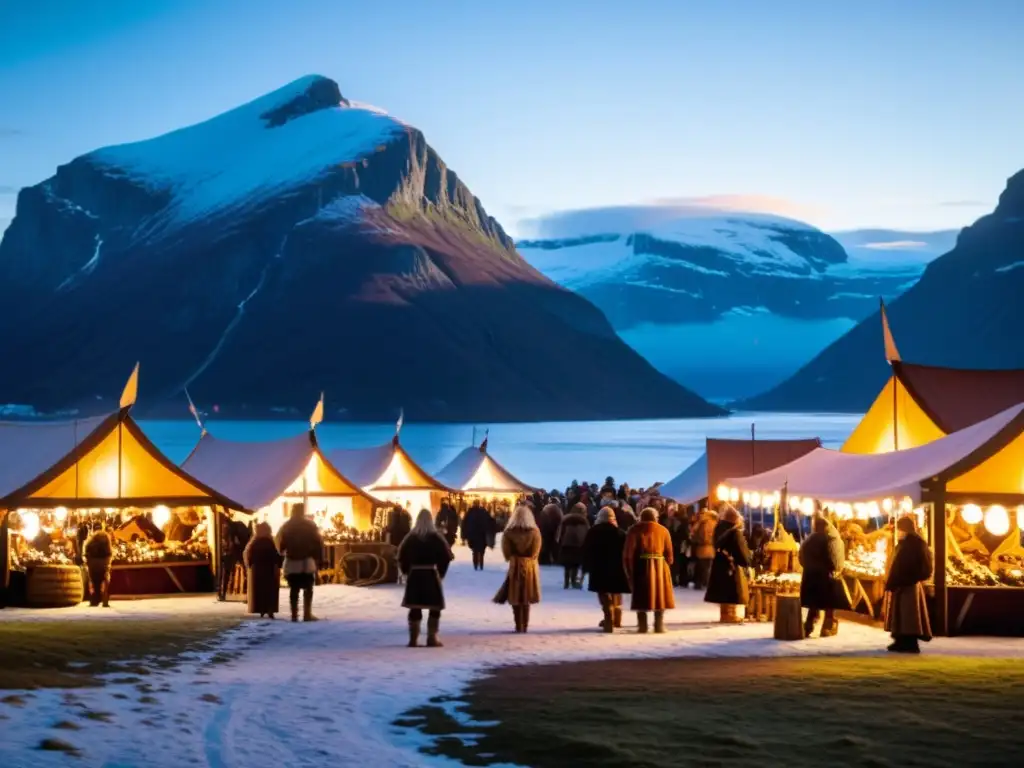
[(131, 389), (318, 413), (401, 420), (892, 355), (483, 445)]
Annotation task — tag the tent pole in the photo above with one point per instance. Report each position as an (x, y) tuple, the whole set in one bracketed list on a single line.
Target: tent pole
[(895, 415), (120, 428), (939, 534)]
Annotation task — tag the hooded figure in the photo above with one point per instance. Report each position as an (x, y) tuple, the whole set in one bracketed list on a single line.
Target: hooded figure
[(602, 559), (424, 557), (702, 544), (99, 551), (907, 619), (728, 584), (572, 532), (647, 558), (264, 563), (822, 557)]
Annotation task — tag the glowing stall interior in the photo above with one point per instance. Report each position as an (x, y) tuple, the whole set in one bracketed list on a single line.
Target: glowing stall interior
[(388, 473)]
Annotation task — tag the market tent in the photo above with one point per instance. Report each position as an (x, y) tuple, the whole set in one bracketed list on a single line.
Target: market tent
[(724, 458), (263, 473), (105, 462), (986, 458), (474, 470), (921, 403), (690, 485), (389, 473)]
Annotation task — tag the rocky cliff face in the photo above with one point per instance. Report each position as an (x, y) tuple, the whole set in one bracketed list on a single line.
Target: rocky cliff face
[(965, 312), (298, 243), (726, 302)]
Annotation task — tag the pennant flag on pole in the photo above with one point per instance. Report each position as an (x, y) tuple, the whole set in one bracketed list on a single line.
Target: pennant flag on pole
[(892, 355), (401, 420), (318, 413), (131, 389), (483, 445), (194, 411)]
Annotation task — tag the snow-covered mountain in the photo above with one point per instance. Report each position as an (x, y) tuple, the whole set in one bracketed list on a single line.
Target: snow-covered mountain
[(301, 242), (964, 312), (727, 302)]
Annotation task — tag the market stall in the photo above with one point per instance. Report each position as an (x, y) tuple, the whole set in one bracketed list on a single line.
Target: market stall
[(966, 491), (268, 477), (475, 476), (389, 473), (61, 481)]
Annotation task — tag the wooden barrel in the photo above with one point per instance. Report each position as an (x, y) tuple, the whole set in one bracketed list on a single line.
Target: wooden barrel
[(54, 586), (788, 618)]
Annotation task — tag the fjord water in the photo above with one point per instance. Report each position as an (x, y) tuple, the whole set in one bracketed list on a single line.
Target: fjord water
[(548, 454)]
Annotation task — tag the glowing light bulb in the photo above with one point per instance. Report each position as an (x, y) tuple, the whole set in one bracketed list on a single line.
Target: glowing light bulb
[(1020, 517), (755, 499), (887, 506), (997, 520), (722, 492), (971, 514), (161, 516), (874, 510), (906, 504), (807, 506), (794, 503), (29, 524), (60, 514), (734, 495), (746, 497)]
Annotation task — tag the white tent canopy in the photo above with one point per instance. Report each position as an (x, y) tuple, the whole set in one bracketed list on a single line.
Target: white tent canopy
[(29, 449), (826, 474), (474, 470), (690, 485), (254, 473)]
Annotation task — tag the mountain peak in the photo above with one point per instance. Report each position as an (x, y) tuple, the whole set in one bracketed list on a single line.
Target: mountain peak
[(1011, 201), (302, 97)]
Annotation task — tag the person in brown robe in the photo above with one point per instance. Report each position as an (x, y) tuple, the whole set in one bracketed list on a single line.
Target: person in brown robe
[(263, 561), (520, 544), (99, 551), (907, 619), (647, 557)]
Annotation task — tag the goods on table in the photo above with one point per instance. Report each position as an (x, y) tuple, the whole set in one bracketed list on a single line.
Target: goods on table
[(782, 582), (864, 562)]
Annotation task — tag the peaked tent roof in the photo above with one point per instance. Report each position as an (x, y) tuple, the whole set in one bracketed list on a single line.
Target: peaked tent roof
[(474, 469), (258, 473), (921, 403), (730, 457), (368, 466), (104, 462), (962, 456), (690, 485)]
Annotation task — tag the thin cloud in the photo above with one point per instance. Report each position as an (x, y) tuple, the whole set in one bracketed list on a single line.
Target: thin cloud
[(964, 204), (747, 204), (7, 189)]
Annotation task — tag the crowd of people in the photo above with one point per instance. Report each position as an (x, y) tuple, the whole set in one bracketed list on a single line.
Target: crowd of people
[(595, 536)]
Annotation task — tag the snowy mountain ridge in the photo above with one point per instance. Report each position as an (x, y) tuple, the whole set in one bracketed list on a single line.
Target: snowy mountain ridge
[(724, 301)]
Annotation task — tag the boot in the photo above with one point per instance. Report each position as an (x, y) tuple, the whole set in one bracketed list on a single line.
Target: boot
[(517, 612), (526, 617), (617, 617), (809, 628), (307, 607), (641, 622), (294, 600), (433, 624), (830, 627), (567, 579), (659, 622), (608, 625), (414, 633)]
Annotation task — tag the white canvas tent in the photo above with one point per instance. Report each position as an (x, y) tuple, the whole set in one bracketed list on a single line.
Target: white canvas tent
[(690, 485), (268, 476), (390, 474), (475, 472)]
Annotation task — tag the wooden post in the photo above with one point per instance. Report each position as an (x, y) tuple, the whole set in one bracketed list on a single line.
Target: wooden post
[(939, 534)]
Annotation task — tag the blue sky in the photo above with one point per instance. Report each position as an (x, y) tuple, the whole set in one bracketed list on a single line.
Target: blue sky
[(894, 113)]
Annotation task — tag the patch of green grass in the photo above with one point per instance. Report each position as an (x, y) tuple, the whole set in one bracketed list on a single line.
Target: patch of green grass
[(741, 713), (73, 653)]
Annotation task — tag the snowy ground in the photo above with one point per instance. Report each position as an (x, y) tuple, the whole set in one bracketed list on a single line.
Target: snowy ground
[(327, 693)]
